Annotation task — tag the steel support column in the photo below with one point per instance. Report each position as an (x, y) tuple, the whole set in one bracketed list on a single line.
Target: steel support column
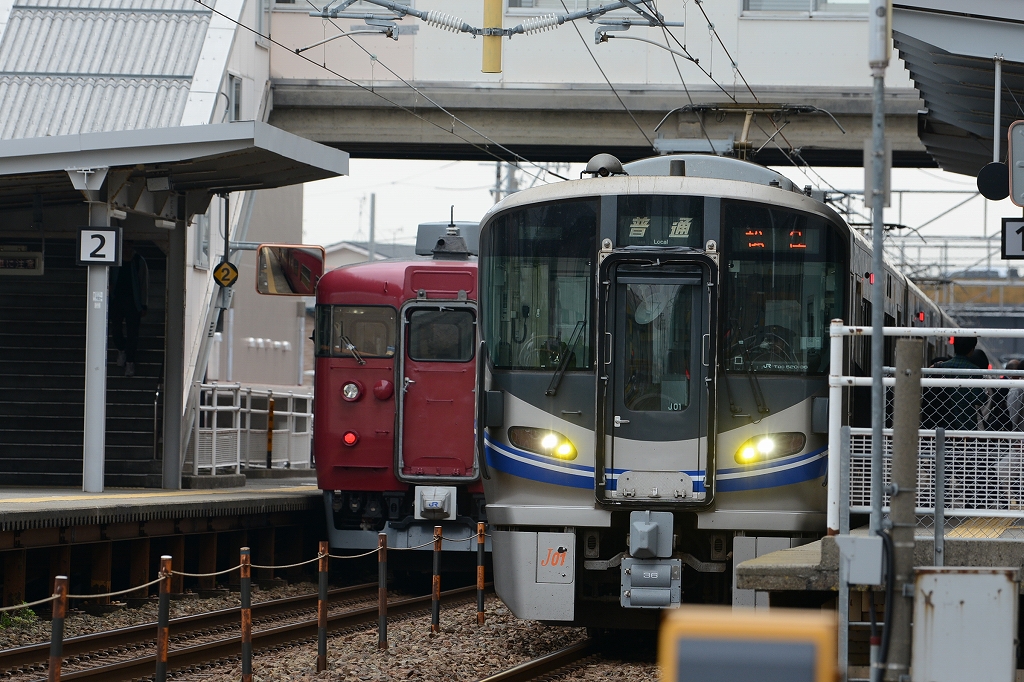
[(174, 358)]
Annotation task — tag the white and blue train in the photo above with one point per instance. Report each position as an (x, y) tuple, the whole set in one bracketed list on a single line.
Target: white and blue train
[(652, 382)]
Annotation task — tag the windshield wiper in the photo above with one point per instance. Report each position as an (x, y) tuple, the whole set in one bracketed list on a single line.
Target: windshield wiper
[(351, 348), (574, 340), (755, 385)]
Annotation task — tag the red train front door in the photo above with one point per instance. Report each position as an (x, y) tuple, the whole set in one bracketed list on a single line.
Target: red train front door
[(435, 391)]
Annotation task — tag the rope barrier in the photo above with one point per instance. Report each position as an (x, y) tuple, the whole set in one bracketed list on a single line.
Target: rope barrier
[(207, 575), (356, 556), (117, 593), (19, 607), (301, 563), (397, 549)]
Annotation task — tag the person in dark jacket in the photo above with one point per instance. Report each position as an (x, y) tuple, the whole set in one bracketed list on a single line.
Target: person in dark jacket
[(961, 405), (129, 302)]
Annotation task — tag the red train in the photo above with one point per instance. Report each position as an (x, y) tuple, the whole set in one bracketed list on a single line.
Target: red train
[(395, 344)]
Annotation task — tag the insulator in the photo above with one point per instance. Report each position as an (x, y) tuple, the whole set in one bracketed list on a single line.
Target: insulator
[(538, 24), (444, 20)]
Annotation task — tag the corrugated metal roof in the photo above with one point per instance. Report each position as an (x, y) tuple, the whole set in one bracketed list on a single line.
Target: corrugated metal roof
[(74, 66)]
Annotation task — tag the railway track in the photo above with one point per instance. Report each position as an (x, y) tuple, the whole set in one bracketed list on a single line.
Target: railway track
[(34, 656), (548, 666), (222, 624)]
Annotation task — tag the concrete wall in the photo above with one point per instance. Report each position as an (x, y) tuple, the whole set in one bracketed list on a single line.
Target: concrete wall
[(276, 217)]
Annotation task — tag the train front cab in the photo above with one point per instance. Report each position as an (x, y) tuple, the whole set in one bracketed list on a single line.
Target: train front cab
[(709, 352), (398, 457)]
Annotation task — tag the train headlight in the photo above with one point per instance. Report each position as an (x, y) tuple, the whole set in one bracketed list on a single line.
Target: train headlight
[(542, 442), (770, 446), (351, 391)]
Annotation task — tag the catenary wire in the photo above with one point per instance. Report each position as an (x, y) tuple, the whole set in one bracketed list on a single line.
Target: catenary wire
[(606, 79), (395, 104), (441, 108)]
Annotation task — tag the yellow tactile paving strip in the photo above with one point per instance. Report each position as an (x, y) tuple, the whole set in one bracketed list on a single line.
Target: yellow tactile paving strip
[(981, 528)]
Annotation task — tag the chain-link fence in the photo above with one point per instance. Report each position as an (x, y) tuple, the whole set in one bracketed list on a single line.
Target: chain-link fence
[(970, 416)]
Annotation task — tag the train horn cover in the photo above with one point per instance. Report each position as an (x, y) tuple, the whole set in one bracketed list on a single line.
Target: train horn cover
[(603, 165)]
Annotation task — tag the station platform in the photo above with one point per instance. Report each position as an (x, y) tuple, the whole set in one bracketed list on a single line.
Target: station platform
[(814, 567), (114, 539), (30, 508)]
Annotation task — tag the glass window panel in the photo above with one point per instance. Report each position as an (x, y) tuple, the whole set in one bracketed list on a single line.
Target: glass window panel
[(777, 5), (371, 329), (783, 287), (536, 275), (658, 347), (660, 221), (441, 335)]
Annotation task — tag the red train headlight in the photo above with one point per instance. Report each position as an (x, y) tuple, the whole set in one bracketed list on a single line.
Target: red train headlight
[(350, 438), (351, 391)]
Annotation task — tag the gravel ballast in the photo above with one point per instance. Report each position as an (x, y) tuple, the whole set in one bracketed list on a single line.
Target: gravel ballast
[(461, 652)]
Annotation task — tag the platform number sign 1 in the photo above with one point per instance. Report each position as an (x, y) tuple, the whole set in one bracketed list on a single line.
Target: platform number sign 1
[(1013, 238), (99, 246)]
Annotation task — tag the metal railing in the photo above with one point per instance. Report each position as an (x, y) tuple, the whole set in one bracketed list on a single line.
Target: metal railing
[(983, 470), (230, 429)]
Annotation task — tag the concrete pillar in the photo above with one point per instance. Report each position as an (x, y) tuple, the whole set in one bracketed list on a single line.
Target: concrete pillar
[(14, 577), (905, 423), (174, 358), (99, 572), (95, 426)]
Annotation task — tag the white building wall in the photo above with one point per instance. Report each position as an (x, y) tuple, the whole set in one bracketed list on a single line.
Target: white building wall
[(795, 49)]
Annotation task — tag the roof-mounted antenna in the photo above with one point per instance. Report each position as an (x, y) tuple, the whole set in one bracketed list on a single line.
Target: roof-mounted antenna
[(451, 222)]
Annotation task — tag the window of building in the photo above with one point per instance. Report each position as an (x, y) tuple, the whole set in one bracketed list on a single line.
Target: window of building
[(807, 6), (201, 245), (234, 98)]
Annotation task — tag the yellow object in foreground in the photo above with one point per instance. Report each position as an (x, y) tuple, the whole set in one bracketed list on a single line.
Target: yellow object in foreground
[(492, 44), (722, 644)]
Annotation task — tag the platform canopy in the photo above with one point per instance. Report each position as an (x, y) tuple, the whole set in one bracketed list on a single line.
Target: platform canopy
[(950, 48), (194, 162)]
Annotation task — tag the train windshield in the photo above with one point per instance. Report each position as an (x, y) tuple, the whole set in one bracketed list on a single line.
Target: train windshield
[(782, 287), (537, 286), (355, 331)]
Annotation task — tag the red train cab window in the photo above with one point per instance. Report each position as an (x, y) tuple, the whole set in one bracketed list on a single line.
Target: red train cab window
[(442, 335), (371, 330)]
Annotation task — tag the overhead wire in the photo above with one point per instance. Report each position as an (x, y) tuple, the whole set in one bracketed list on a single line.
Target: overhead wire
[(429, 99), (606, 79), (390, 101)]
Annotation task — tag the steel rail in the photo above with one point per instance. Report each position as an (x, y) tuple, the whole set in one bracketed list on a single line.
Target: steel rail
[(545, 665), (36, 654), (228, 648)]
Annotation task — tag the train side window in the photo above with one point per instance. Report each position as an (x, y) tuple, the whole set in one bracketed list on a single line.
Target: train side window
[(441, 335)]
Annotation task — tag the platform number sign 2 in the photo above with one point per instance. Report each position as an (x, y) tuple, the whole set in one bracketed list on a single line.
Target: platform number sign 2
[(1013, 239), (99, 246)]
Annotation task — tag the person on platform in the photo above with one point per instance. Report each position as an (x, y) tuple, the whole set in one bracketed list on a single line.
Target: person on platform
[(129, 302), (960, 406)]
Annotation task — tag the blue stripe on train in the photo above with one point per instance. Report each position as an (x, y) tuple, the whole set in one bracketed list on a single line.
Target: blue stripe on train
[(582, 476)]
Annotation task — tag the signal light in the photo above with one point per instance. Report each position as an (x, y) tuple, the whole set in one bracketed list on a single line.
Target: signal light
[(350, 438), (872, 279), (920, 316)]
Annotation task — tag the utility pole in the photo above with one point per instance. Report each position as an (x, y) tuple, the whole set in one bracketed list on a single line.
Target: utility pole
[(878, 60), (905, 422)]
